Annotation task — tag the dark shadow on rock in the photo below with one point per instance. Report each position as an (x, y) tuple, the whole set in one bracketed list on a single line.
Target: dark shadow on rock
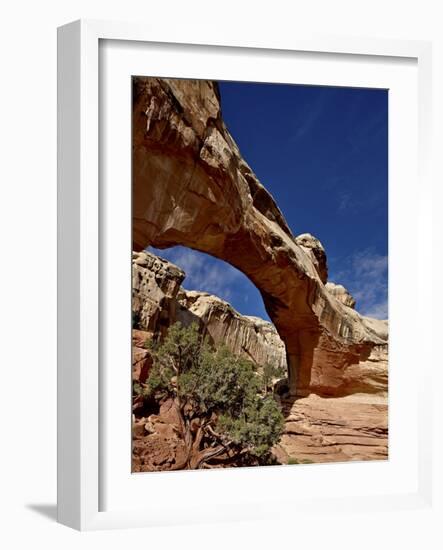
[(48, 511), (281, 390), (287, 402)]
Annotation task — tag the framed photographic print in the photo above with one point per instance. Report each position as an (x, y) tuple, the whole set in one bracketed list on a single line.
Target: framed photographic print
[(231, 234)]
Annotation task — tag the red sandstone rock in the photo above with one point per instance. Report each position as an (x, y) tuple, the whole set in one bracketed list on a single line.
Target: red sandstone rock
[(335, 430), (192, 187)]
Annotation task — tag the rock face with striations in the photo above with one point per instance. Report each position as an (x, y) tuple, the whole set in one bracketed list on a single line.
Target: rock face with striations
[(339, 429), (244, 335), (158, 301), (192, 187), (155, 284)]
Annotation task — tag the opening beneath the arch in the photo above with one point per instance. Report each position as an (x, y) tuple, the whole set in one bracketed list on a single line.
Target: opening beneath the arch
[(205, 273), (179, 285)]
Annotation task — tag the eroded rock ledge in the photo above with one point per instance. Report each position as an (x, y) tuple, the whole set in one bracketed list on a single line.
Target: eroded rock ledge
[(192, 187)]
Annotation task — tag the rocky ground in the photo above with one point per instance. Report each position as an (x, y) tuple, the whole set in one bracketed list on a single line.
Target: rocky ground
[(335, 429)]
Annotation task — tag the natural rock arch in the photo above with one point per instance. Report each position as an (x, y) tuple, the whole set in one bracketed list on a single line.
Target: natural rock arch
[(192, 187)]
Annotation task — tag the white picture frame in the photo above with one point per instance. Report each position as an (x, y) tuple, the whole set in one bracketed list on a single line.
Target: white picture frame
[(80, 414)]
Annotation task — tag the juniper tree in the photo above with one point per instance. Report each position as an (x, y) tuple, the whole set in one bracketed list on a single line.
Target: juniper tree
[(223, 413)]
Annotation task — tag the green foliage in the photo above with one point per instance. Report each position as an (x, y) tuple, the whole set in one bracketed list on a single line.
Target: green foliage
[(220, 389), (142, 390), (258, 427), (271, 372), (174, 359)]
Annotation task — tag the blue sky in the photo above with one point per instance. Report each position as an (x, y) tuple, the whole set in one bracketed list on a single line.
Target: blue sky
[(322, 152)]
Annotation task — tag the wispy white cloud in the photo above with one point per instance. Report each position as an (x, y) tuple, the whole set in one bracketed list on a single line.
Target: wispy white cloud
[(344, 201), (203, 272), (349, 202), (365, 275), (368, 264), (306, 121), (379, 310)]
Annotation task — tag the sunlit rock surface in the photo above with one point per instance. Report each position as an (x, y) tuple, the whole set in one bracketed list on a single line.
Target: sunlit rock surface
[(159, 301), (192, 187), (339, 429), (317, 429), (341, 294)]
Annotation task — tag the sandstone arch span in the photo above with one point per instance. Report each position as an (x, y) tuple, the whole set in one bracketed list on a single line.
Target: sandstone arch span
[(192, 187)]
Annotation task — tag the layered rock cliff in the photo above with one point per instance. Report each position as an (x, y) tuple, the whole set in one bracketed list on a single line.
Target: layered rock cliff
[(318, 429), (192, 187), (158, 301)]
